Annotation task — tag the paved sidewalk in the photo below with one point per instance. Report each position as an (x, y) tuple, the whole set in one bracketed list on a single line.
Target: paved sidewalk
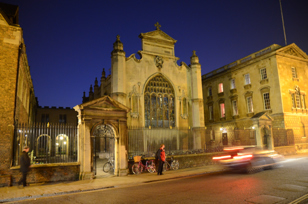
[(8, 194)]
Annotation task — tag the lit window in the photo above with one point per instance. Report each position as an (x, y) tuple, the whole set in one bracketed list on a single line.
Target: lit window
[(247, 79), (249, 104), (266, 99), (222, 110), (294, 74), (263, 73), (159, 103), (232, 83), (220, 88), (234, 106)]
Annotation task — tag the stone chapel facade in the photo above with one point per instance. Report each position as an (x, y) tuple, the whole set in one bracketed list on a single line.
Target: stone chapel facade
[(161, 95)]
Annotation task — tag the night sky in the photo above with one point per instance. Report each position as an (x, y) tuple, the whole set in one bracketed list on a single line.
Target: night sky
[(70, 42)]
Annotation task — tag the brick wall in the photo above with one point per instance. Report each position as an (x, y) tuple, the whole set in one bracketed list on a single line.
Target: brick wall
[(47, 174)]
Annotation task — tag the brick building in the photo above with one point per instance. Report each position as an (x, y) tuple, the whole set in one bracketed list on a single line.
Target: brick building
[(17, 101)]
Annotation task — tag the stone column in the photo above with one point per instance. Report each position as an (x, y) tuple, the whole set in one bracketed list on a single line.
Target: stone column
[(196, 100), (259, 139)]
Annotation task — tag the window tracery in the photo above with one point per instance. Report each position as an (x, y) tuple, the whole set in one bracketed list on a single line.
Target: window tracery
[(159, 107)]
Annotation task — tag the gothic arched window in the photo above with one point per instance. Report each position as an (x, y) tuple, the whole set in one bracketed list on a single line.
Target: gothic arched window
[(159, 103)]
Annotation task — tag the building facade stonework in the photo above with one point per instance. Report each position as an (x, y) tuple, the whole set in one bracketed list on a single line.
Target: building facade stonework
[(161, 94), (269, 81)]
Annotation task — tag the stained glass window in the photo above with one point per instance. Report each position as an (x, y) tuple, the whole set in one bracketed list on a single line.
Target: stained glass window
[(159, 110)]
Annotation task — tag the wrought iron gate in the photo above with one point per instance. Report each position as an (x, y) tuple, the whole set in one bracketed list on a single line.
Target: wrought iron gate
[(103, 144)]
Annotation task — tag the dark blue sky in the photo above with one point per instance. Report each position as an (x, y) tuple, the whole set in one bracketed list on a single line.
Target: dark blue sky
[(69, 42)]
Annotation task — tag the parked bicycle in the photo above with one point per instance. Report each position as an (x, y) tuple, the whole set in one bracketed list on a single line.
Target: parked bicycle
[(137, 168), (173, 165), (109, 165)]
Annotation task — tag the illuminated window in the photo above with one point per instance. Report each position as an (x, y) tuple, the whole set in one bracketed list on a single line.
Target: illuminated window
[(247, 79), (220, 88), (266, 99), (263, 73), (249, 104), (234, 107), (232, 84), (222, 110), (159, 111)]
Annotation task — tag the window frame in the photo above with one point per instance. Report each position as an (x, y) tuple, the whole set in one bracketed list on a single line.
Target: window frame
[(220, 88), (247, 79), (234, 107), (249, 104), (232, 84), (266, 101), (263, 73)]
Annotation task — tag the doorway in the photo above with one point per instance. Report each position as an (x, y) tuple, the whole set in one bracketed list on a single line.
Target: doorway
[(103, 146), (224, 139)]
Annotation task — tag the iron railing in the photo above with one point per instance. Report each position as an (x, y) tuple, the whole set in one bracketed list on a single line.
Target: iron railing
[(49, 143)]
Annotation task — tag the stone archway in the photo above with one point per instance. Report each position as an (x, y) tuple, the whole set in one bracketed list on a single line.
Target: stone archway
[(103, 148), (262, 123), (102, 112)]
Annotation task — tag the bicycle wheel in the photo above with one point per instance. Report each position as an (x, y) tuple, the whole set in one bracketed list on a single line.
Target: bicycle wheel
[(175, 165), (107, 167), (151, 169), (136, 169)]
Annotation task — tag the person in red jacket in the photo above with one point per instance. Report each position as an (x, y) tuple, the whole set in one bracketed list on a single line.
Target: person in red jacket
[(161, 159)]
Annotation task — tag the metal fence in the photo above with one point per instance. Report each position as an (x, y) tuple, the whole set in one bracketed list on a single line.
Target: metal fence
[(146, 142), (49, 143)]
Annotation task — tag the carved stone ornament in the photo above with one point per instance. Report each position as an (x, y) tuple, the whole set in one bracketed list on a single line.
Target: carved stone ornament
[(159, 62)]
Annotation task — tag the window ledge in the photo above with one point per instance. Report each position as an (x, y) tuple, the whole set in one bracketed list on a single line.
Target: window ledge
[(222, 119), (247, 86), (269, 110), (235, 116), (264, 81), (209, 98), (233, 91), (250, 114), (221, 94), (295, 79)]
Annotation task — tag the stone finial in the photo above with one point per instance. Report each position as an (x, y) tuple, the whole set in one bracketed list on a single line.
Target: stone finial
[(194, 59), (157, 25), (118, 45), (103, 73), (91, 89), (84, 94), (95, 82)]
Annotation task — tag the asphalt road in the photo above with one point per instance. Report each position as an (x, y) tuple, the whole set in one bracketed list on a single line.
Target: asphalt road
[(281, 185)]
